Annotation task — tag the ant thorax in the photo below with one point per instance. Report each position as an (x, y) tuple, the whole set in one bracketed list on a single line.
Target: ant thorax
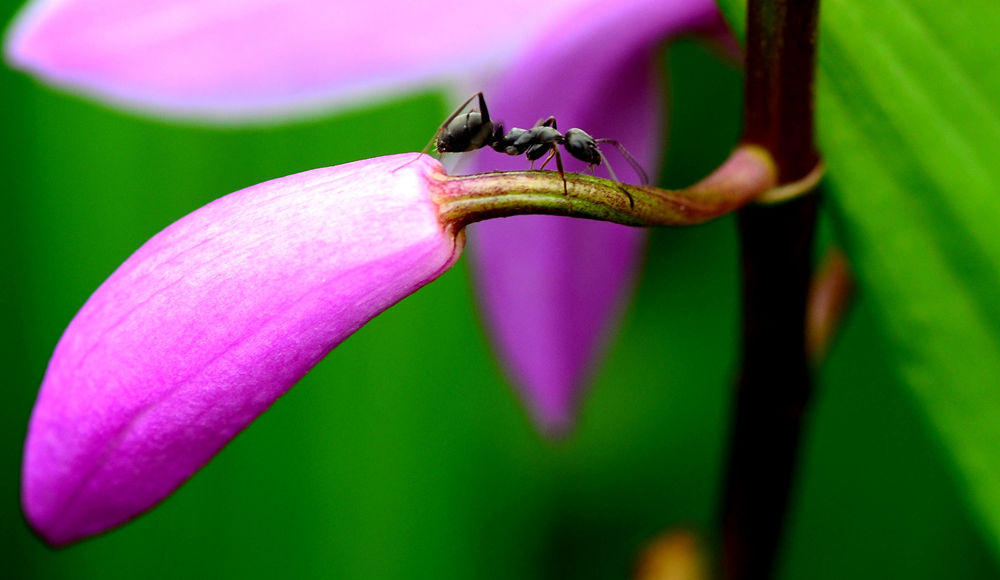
[(506, 143)]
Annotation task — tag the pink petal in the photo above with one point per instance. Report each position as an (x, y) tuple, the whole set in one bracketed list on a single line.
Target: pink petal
[(552, 289), (212, 320), (233, 59)]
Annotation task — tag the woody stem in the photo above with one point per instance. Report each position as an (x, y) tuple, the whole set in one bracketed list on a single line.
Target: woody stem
[(775, 384)]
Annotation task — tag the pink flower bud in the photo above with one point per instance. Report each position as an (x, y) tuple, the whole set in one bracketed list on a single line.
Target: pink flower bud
[(212, 320)]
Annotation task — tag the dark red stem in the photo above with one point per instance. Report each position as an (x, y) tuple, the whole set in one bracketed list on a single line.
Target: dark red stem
[(775, 383)]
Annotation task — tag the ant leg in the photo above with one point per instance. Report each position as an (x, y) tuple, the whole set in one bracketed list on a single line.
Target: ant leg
[(531, 165), (458, 111), (418, 155), (483, 111), (548, 122), (562, 173), (554, 152), (644, 179)]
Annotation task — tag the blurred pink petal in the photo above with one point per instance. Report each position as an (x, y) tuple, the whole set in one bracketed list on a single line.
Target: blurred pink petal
[(552, 289), (212, 320), (238, 59)]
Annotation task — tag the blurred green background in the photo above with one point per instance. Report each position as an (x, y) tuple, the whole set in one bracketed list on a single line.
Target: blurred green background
[(404, 454)]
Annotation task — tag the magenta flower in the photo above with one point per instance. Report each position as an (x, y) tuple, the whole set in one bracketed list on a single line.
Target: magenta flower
[(551, 288), (212, 320)]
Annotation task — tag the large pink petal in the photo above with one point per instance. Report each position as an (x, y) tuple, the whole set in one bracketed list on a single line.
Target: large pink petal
[(212, 320), (552, 288), (240, 58)]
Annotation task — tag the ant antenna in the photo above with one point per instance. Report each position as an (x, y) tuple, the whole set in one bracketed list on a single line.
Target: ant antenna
[(643, 178)]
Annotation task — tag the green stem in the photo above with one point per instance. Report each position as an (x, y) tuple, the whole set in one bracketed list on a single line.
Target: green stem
[(747, 174)]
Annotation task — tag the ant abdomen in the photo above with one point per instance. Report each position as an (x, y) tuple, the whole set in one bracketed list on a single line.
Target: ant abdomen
[(464, 133)]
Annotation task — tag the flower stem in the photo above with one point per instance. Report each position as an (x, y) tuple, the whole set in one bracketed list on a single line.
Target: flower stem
[(775, 384), (462, 200)]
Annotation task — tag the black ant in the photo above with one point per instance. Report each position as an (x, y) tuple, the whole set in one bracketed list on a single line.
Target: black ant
[(463, 132)]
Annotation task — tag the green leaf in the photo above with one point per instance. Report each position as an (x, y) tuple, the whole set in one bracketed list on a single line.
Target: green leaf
[(908, 104)]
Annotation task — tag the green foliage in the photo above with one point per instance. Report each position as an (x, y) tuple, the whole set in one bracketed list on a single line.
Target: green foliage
[(909, 123)]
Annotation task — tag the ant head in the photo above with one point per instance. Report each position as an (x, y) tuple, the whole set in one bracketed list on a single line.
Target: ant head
[(581, 145)]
